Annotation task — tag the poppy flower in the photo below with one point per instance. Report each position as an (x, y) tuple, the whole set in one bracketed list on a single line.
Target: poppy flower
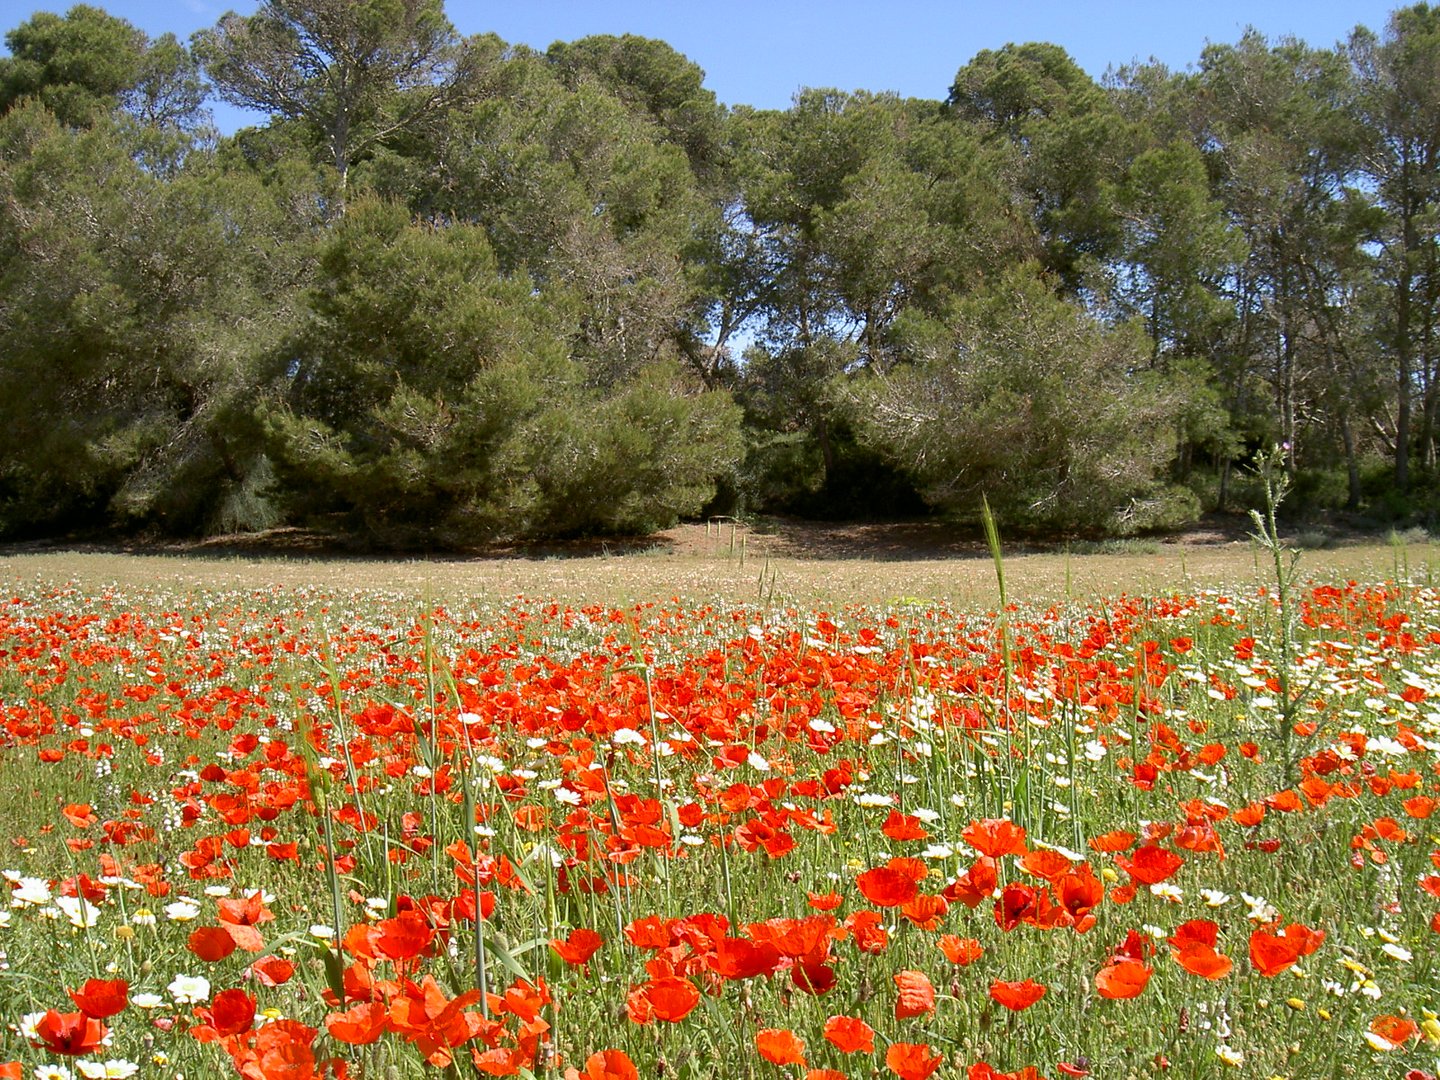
[(738, 958), (1111, 842), (1151, 864), (1195, 932), (900, 826), (101, 998), (578, 946), (404, 937), (912, 1061), (272, 970), (1079, 893), (850, 1035), (1271, 955), (231, 1013), (1016, 996), (211, 943), (1136, 946), (916, 994), (1204, 961), (360, 1025), (976, 884), (780, 1046), (1045, 864), (1394, 1029), (995, 837), (813, 977), (1016, 904), (961, 951), (984, 1071), (1122, 979), (1306, 939), (926, 911), (669, 998), (72, 1034), (884, 886), (606, 1065)]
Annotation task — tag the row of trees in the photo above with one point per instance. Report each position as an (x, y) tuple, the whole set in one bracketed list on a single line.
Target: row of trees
[(455, 290)]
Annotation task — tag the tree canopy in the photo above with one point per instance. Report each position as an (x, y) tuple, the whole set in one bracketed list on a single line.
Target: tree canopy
[(453, 290)]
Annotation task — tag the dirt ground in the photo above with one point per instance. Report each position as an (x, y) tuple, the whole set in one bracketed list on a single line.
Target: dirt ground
[(781, 562)]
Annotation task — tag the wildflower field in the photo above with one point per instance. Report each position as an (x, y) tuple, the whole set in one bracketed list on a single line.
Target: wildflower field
[(281, 831)]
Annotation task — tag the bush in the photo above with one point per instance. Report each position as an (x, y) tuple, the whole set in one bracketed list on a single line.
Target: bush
[(1030, 402)]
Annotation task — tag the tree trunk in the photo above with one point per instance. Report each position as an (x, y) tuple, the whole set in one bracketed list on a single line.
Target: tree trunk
[(1352, 463)]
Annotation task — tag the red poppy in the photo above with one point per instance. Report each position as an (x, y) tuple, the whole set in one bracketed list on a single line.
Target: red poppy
[(1016, 904), (814, 977), (248, 911), (80, 815), (900, 826), (1046, 864), (738, 958), (1150, 864), (1271, 955), (231, 1013), (926, 911), (849, 1035), (1394, 1029), (983, 1071), (606, 1065), (1122, 979), (1306, 939), (824, 901), (976, 884), (884, 886), (995, 837), (912, 1061), (1017, 996), (1195, 932), (961, 951), (870, 936), (779, 1046), (72, 1034), (101, 998), (404, 937), (272, 970), (1204, 961), (916, 997), (1079, 893), (578, 947), (361, 1025), (1421, 806), (1111, 842), (211, 943), (668, 998)]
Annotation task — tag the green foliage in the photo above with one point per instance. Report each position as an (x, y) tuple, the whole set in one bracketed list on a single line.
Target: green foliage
[(355, 72), (1088, 301), (76, 64), (432, 399), (651, 77), (84, 65), (1024, 399), (1065, 142)]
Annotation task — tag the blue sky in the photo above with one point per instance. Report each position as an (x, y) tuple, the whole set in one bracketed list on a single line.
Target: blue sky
[(759, 53)]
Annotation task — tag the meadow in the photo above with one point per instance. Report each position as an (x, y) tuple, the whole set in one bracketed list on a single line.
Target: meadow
[(675, 813)]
